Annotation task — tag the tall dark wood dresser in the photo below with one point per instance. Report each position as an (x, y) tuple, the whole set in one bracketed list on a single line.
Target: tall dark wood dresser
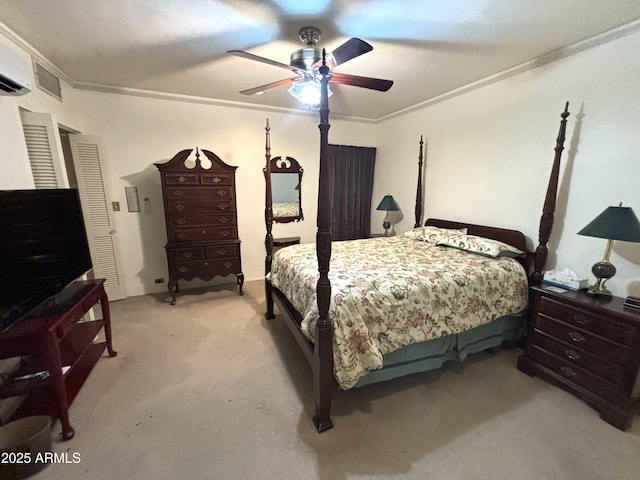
[(201, 219)]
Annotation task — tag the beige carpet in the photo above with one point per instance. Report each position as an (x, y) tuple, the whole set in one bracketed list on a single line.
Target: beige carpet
[(208, 389)]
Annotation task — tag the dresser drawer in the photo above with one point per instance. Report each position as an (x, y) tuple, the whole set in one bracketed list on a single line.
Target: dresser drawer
[(222, 251), (605, 327), (576, 375), (206, 269), (181, 179), (574, 355), (584, 339), (216, 179), (203, 234), (185, 221), (195, 206), (199, 193), (73, 316), (182, 254)]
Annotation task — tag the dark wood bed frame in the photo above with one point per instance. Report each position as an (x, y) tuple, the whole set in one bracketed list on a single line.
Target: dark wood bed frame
[(320, 353)]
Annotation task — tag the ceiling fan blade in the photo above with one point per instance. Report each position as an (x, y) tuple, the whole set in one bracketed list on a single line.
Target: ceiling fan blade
[(262, 88), (251, 56), (352, 48), (364, 82)]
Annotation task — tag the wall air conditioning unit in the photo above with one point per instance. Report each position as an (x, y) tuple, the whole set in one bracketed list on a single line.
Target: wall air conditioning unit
[(15, 72)]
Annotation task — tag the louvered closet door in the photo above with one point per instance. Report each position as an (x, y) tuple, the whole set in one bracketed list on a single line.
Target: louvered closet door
[(91, 171), (44, 149)]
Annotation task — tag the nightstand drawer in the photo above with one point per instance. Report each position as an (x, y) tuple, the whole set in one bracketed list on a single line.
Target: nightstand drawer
[(583, 339), (575, 375), (574, 355), (605, 327)]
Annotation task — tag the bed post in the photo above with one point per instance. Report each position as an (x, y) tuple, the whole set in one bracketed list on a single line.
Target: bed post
[(268, 219), (323, 346), (419, 195), (546, 220)]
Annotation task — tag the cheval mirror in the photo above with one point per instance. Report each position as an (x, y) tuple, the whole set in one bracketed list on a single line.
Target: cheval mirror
[(286, 185)]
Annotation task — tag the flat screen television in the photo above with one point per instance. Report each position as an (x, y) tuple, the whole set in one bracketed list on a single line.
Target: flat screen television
[(43, 248)]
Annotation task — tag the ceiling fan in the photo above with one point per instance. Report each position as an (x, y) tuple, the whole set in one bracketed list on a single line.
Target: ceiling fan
[(306, 61)]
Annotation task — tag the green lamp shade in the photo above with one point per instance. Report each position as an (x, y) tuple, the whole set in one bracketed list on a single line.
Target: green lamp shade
[(388, 204), (615, 223)]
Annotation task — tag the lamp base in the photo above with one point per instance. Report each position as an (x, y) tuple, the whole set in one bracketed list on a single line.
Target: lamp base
[(597, 290), (603, 271), (386, 225)]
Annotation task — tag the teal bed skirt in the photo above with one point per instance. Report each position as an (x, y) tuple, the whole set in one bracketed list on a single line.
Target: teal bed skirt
[(432, 354)]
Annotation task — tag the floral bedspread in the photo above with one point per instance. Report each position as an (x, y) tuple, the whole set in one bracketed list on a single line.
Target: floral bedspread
[(387, 293)]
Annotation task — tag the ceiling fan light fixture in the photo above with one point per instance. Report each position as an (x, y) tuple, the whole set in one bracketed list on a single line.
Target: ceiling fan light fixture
[(307, 92)]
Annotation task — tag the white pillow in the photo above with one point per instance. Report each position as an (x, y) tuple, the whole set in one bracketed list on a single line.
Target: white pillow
[(480, 245), (432, 234)]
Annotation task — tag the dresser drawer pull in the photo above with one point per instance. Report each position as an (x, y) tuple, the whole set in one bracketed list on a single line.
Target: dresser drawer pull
[(179, 207), (178, 193), (581, 319), (577, 337), (224, 233), (223, 206), (216, 179), (224, 220), (204, 231), (222, 252), (183, 235), (206, 264), (187, 254), (228, 265), (181, 221), (184, 269), (572, 354), (222, 193), (568, 371), (182, 179)]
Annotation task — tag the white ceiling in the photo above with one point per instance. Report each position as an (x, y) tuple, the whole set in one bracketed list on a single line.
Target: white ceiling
[(427, 47)]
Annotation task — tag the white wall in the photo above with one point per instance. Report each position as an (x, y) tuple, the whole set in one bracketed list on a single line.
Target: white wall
[(15, 171), (139, 132), (489, 153)]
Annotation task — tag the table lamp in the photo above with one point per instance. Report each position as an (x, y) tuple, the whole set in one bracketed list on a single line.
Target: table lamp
[(615, 223), (390, 205)]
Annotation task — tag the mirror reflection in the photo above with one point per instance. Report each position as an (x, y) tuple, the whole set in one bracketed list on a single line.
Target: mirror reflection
[(286, 185)]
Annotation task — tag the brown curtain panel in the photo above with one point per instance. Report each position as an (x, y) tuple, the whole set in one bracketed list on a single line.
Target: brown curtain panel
[(352, 190)]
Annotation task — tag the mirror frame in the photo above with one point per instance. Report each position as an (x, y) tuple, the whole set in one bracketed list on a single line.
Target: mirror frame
[(287, 165)]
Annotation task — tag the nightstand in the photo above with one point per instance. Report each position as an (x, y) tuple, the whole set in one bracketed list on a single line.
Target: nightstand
[(590, 347)]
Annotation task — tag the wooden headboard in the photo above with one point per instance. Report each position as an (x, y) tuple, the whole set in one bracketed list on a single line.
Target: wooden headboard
[(535, 261), (511, 237)]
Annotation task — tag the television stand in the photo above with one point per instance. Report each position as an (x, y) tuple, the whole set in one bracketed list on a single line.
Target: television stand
[(59, 351)]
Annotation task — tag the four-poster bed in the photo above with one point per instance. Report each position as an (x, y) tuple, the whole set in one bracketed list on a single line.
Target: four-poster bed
[(481, 300)]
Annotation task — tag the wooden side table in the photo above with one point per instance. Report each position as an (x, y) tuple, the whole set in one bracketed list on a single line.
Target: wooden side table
[(53, 337), (589, 346)]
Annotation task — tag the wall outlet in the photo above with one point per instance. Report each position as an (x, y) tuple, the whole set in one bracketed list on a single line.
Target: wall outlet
[(158, 280)]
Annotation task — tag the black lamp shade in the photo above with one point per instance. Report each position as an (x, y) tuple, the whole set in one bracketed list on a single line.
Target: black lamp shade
[(388, 204), (615, 223)]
